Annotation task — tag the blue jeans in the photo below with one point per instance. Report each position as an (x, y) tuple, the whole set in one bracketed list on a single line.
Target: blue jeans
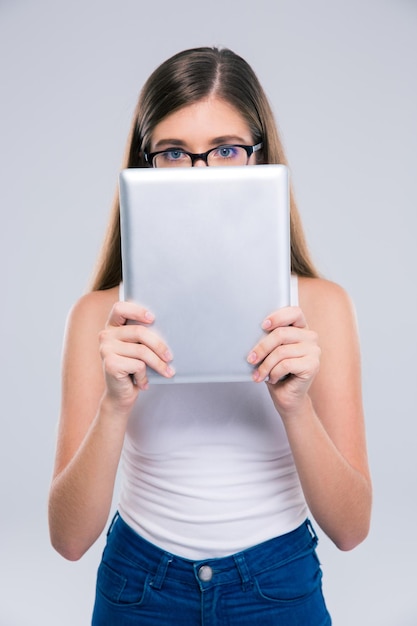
[(275, 583)]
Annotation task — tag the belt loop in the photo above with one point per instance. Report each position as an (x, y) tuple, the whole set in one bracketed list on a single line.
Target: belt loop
[(312, 531), (158, 581), (112, 523), (243, 571)]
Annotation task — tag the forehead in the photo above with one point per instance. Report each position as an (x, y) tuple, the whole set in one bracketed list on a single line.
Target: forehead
[(202, 122)]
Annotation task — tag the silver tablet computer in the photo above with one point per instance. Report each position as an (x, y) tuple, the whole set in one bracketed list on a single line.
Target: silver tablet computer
[(207, 250)]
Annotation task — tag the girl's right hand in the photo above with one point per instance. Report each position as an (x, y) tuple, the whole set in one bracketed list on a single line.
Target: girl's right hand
[(127, 350)]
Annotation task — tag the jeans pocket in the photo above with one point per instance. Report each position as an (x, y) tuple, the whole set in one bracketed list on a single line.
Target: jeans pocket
[(291, 582), (128, 587)]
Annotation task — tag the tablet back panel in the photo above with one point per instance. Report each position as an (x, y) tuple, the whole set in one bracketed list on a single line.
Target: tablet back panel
[(207, 250)]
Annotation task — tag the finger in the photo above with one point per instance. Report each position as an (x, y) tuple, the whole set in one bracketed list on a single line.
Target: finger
[(123, 312), (287, 316), (280, 336), (302, 368), (124, 370), (278, 363), (140, 381), (121, 366), (142, 353), (129, 336)]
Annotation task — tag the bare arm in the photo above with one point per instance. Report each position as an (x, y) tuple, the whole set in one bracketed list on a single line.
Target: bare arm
[(320, 404), (104, 369)]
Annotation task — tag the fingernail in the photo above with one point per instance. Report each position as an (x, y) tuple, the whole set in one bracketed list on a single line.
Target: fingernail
[(252, 357), (255, 376), (170, 371), (168, 356), (149, 316), (266, 324)]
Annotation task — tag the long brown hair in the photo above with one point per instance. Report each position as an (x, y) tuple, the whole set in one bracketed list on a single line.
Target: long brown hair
[(184, 79)]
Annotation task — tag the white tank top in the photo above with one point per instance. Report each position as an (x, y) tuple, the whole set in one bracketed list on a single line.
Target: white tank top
[(207, 470)]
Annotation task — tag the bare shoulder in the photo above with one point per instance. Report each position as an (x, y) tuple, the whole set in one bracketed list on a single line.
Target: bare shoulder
[(325, 303), (86, 319), (82, 374), (317, 291), (93, 309)]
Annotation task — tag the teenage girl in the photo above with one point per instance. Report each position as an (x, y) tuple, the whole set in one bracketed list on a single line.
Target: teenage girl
[(218, 479)]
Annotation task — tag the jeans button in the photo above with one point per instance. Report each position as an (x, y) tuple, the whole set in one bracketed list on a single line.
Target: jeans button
[(205, 573)]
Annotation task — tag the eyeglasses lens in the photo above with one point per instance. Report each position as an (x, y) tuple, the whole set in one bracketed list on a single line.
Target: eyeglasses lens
[(223, 155)]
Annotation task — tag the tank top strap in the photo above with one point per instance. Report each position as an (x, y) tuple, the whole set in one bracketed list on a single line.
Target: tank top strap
[(294, 290)]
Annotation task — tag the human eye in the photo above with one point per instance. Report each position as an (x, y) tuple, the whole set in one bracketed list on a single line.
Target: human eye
[(174, 155), (226, 153)]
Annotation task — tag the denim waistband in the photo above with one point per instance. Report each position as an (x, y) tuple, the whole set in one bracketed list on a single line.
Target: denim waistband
[(239, 567)]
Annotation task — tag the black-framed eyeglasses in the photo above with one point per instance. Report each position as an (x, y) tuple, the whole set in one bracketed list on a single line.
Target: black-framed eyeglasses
[(221, 155)]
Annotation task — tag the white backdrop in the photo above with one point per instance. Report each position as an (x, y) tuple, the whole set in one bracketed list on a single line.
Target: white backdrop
[(341, 76)]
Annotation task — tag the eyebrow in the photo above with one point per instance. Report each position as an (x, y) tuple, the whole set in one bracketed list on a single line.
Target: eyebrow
[(216, 141)]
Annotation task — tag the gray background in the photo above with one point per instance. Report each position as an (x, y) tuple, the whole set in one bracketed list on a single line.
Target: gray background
[(342, 80)]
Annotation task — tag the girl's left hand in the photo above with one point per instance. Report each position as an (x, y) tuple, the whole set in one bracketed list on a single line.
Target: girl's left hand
[(287, 358)]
